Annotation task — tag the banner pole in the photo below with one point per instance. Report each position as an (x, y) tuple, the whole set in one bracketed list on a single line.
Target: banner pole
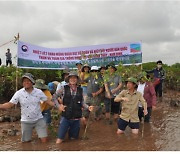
[(16, 78), (17, 39), (141, 67), (141, 56), (16, 82)]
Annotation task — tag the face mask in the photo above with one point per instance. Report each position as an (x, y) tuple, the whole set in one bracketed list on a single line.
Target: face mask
[(159, 66)]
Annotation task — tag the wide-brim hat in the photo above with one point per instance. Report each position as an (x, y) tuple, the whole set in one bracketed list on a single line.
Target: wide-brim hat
[(40, 84), (56, 82), (94, 68), (64, 73), (85, 65), (72, 74), (29, 76), (133, 80), (78, 63), (142, 75), (112, 65), (103, 67)]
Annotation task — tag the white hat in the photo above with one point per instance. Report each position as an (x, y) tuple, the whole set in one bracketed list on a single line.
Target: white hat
[(94, 68)]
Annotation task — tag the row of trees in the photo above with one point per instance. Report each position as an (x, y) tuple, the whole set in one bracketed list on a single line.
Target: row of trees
[(9, 84)]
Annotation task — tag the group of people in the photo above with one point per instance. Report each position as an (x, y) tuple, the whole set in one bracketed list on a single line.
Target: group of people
[(8, 58), (86, 92)]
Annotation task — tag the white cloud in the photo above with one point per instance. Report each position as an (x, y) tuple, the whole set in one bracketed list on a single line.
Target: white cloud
[(79, 23)]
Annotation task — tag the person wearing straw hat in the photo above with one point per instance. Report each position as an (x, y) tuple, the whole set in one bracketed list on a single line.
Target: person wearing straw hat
[(45, 108), (130, 99), (71, 105), (147, 89), (31, 115)]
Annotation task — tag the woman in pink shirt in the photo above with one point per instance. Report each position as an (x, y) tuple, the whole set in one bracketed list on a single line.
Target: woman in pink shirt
[(147, 89)]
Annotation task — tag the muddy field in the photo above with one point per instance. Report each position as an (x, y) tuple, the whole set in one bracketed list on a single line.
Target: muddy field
[(161, 134)]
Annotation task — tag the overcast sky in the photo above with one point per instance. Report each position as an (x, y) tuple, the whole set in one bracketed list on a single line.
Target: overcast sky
[(61, 24)]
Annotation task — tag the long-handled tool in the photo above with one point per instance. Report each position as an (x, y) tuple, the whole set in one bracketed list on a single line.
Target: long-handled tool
[(110, 118), (85, 137), (142, 127)]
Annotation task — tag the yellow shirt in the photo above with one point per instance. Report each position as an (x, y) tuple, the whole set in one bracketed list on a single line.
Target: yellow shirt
[(45, 106), (129, 110), (86, 75), (79, 73)]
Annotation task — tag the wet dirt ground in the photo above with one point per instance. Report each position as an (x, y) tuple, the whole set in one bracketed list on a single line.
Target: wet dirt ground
[(161, 134)]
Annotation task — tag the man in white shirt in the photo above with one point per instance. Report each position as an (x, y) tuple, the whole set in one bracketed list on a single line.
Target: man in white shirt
[(31, 116)]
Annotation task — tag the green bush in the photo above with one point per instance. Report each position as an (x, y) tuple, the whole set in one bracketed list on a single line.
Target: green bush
[(172, 74), (8, 81), (8, 84)]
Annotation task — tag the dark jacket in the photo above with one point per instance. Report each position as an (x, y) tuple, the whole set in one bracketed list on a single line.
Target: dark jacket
[(158, 73), (149, 94), (73, 103)]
